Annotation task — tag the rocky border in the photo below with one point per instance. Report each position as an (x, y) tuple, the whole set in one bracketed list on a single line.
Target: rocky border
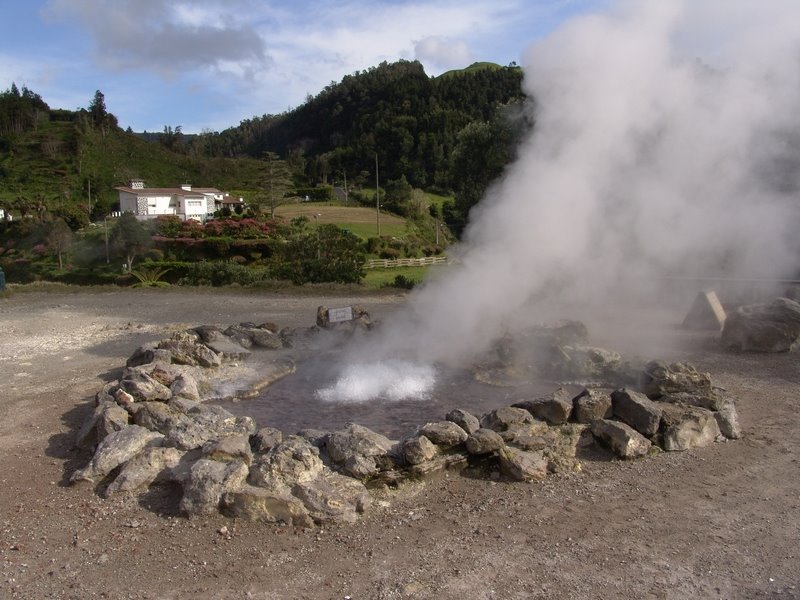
[(151, 427)]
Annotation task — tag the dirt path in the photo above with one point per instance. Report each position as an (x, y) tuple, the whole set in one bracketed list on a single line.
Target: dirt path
[(721, 522)]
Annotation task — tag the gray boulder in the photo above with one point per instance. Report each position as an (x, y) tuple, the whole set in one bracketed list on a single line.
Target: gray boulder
[(112, 418), (637, 410), (592, 404), (190, 353), (356, 440), (444, 433), (484, 441), (292, 461), (660, 378), (117, 448), (621, 439), (207, 481), (467, 421), (728, 420), (234, 447), (266, 439), (555, 409), (416, 450), (203, 423), (684, 427), (521, 465), (765, 327), (185, 386), (502, 418), (144, 387), (333, 498), (152, 464)]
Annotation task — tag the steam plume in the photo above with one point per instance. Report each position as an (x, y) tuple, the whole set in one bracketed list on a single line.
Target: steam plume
[(666, 143)]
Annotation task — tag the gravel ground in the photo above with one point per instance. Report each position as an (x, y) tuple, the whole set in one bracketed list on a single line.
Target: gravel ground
[(718, 522)]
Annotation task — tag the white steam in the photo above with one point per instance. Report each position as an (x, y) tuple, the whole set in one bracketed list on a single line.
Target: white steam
[(388, 380), (666, 143)]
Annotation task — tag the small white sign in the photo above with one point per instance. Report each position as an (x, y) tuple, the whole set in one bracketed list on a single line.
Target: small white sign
[(339, 315)]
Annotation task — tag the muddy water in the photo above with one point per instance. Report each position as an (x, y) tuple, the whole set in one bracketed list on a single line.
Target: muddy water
[(292, 404)]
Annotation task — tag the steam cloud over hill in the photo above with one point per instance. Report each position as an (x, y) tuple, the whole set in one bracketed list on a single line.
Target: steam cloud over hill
[(666, 143)]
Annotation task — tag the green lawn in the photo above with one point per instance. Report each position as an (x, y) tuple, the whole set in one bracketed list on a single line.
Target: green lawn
[(360, 220), (377, 278)]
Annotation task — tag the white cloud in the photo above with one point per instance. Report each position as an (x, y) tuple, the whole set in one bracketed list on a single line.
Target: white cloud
[(442, 53)]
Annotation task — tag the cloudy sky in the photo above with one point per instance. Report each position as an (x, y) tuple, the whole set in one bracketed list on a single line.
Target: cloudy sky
[(208, 64)]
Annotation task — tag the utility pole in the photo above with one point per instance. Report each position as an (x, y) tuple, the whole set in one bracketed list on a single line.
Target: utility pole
[(377, 197)]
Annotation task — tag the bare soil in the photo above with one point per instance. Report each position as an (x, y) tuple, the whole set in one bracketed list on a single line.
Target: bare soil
[(718, 522)]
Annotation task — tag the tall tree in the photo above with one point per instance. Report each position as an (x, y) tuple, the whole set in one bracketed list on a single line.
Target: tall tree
[(59, 239), (130, 238)]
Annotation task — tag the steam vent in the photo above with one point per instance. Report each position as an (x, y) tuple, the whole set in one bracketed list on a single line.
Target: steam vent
[(162, 423)]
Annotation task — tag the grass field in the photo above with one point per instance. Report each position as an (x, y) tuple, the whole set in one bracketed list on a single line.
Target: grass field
[(378, 278), (360, 220)]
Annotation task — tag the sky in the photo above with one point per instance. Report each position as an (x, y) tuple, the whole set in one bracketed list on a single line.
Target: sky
[(209, 64)]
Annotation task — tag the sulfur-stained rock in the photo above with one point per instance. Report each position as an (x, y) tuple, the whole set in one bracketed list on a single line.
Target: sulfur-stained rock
[(252, 503), (684, 427), (333, 498), (234, 447), (660, 378)]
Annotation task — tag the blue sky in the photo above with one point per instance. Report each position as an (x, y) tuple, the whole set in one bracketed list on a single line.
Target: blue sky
[(208, 64)]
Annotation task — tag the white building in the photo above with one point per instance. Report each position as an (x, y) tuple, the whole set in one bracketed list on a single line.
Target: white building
[(184, 202)]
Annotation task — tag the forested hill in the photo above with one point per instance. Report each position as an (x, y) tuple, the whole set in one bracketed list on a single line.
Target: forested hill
[(410, 120)]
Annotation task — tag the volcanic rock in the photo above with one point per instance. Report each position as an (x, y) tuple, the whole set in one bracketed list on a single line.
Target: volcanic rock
[(555, 409), (444, 433), (728, 420), (191, 353), (764, 327), (484, 441), (272, 506), (202, 423), (712, 401), (521, 465), (660, 378), (292, 461), (152, 464), (467, 421), (234, 447), (333, 498), (143, 386), (684, 427), (502, 418), (185, 386), (116, 449), (637, 410), (592, 404), (266, 438), (208, 480), (624, 441), (315, 437), (112, 418), (417, 449), (355, 440)]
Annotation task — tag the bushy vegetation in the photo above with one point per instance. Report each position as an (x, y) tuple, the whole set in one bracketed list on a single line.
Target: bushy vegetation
[(453, 134)]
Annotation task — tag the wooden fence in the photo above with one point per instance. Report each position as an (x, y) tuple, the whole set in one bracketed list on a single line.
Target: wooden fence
[(388, 263)]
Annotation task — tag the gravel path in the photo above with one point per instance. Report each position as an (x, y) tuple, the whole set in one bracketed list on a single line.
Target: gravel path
[(720, 522)]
